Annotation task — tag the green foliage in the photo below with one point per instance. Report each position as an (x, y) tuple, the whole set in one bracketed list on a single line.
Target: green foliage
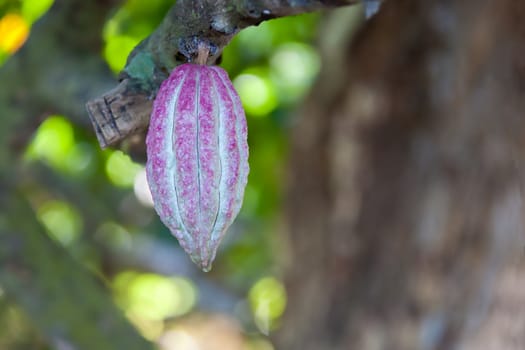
[(132, 22), (32, 9)]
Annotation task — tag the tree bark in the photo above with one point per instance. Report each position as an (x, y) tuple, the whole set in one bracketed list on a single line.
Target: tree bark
[(406, 176)]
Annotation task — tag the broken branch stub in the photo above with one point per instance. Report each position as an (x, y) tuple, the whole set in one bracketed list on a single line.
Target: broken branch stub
[(119, 113)]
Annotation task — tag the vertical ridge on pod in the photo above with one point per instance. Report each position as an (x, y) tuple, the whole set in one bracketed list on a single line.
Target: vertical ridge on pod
[(241, 132), (160, 156), (236, 148)]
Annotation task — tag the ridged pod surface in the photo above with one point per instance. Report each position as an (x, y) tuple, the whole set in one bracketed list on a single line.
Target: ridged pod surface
[(197, 150)]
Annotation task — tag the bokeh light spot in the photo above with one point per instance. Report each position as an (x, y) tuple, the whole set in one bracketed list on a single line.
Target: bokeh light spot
[(267, 300), (294, 67), (154, 297), (13, 32), (61, 221), (257, 94), (117, 50), (141, 189), (53, 141), (32, 9), (121, 170)]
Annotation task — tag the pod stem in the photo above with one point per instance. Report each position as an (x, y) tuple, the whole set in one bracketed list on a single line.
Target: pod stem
[(202, 55)]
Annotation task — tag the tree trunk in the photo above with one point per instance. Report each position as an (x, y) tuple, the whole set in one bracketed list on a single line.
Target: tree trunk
[(405, 188)]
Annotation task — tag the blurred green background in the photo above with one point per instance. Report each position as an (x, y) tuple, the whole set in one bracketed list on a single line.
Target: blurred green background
[(96, 203)]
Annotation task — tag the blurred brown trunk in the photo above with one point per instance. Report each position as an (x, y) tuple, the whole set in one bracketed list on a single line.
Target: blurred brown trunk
[(405, 206)]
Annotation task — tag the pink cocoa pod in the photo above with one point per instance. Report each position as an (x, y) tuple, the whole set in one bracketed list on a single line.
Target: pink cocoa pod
[(197, 150)]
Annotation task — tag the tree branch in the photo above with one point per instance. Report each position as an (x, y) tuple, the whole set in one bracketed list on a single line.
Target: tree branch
[(126, 109)]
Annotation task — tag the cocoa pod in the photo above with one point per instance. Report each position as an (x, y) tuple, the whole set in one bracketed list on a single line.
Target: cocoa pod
[(197, 150)]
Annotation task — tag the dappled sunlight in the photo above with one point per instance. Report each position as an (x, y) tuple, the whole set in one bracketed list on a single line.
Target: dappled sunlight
[(149, 300), (117, 49), (61, 220), (121, 170), (257, 93), (31, 10), (14, 31), (267, 300), (53, 141), (154, 297), (294, 67)]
